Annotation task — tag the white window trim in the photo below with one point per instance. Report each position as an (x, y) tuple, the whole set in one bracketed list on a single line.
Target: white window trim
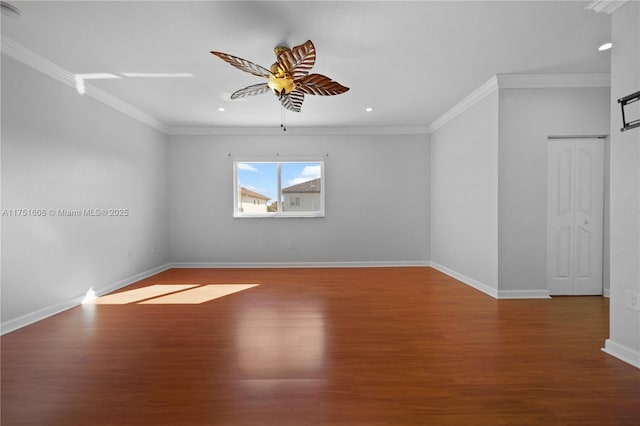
[(278, 160)]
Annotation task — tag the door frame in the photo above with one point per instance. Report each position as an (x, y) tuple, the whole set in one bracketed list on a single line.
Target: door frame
[(604, 139)]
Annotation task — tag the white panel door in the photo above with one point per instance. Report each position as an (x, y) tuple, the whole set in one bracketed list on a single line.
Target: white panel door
[(575, 200)]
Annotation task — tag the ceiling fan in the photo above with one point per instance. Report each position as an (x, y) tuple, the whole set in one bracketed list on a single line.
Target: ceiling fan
[(288, 77)]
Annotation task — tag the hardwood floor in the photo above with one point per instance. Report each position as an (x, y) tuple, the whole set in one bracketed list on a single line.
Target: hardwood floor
[(379, 346)]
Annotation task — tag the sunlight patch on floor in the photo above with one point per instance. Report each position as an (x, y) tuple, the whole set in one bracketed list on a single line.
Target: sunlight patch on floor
[(162, 294), (143, 293), (200, 294)]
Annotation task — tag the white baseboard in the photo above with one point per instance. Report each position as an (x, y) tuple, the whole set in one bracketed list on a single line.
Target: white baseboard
[(622, 352), (40, 314), (497, 294), (523, 294), (606, 292), (132, 279), (467, 280), (386, 264), (22, 321)]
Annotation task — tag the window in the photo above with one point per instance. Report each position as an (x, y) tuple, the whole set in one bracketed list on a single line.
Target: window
[(264, 188)]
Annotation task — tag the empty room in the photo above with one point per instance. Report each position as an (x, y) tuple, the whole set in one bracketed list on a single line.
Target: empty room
[(320, 213)]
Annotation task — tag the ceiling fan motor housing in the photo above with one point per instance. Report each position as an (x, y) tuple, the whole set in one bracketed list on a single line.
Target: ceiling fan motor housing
[(281, 85), (280, 81)]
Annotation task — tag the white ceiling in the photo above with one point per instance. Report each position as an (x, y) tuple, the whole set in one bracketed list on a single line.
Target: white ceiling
[(411, 61)]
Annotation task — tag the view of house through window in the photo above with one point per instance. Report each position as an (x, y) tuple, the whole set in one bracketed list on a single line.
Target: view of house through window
[(278, 188)]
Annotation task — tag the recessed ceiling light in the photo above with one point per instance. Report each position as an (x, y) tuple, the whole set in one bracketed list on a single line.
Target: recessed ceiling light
[(605, 46), (369, 109), (221, 109)]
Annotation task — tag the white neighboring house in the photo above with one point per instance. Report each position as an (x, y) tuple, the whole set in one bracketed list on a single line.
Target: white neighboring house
[(303, 197), (252, 202)]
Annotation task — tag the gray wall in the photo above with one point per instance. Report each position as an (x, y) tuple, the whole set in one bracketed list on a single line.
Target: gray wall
[(527, 118), (61, 150), (488, 184), (624, 338), (377, 201), (464, 194)]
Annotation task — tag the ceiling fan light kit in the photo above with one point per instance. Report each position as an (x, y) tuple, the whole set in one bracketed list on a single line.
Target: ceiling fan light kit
[(288, 77)]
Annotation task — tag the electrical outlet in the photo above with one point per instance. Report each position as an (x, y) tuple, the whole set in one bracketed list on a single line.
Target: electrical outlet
[(632, 300), (289, 244)]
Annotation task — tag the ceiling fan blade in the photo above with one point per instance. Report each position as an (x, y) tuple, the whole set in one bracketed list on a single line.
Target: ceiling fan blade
[(243, 64), (255, 89), (299, 60), (292, 101), (318, 84)]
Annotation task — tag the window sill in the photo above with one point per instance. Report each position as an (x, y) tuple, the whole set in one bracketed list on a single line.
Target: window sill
[(278, 215)]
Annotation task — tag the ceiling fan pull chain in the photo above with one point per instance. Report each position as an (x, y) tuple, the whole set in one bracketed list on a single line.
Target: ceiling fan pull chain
[(283, 116)]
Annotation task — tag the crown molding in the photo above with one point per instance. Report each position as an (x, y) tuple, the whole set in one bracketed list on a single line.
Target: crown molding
[(297, 131), (553, 81), (606, 6), (33, 60), (476, 96), (521, 81)]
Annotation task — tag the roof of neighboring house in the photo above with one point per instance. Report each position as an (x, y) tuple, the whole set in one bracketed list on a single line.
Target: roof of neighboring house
[(309, 186), (250, 193)]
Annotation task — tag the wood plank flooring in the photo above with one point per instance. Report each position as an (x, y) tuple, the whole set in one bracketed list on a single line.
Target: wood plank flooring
[(371, 346)]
